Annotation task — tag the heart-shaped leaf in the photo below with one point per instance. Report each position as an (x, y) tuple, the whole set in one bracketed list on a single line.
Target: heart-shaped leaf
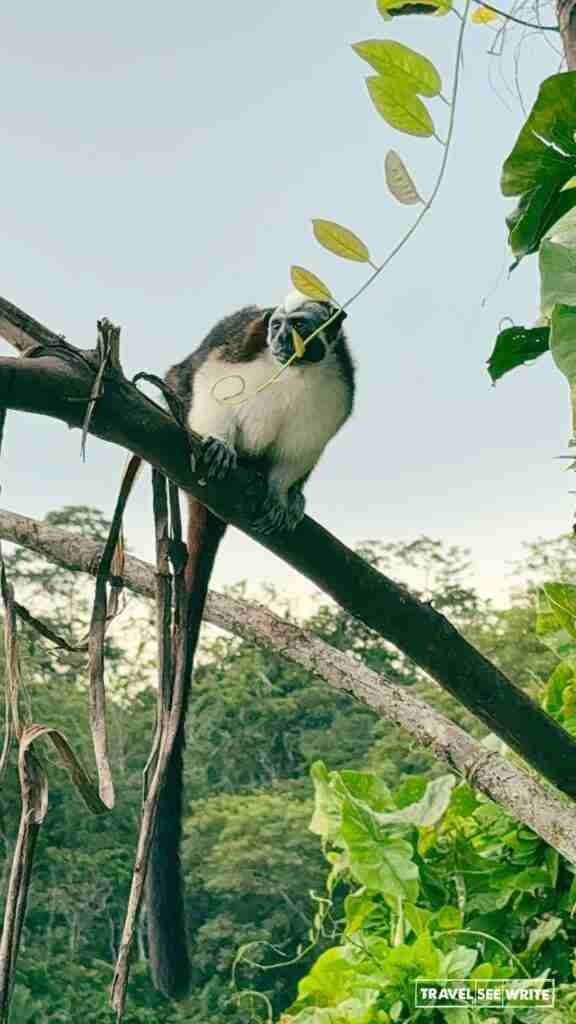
[(394, 60), (399, 106)]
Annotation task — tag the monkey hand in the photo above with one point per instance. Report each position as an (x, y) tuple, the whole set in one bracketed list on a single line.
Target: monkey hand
[(217, 458), (280, 512)]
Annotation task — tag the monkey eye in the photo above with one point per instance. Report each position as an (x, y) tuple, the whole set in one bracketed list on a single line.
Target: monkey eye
[(301, 324), (275, 325)]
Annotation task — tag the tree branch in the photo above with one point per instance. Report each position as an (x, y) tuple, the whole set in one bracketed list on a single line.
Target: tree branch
[(566, 13), (57, 382), (522, 796), (517, 21), (22, 331)]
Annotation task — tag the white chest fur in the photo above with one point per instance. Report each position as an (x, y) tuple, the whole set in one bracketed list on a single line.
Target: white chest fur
[(292, 420)]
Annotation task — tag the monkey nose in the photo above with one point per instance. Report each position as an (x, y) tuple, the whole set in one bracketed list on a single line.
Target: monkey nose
[(283, 344)]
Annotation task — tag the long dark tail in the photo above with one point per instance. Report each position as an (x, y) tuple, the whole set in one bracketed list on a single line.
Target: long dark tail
[(168, 947)]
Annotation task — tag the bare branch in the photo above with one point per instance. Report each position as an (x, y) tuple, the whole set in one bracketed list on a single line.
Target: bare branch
[(22, 331), (517, 21), (523, 796)]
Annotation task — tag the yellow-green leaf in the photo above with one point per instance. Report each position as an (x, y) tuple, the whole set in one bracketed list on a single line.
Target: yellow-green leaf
[(392, 59), (299, 346), (383, 10), (339, 240), (311, 286), (393, 8), (399, 181), (400, 107), (483, 16)]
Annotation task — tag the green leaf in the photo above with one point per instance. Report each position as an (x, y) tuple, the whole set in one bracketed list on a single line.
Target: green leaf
[(515, 346), (331, 978), (532, 879), (326, 819), (365, 786), (484, 972), (418, 917), (426, 957), (562, 603), (543, 932), (377, 860), (557, 275), (340, 240), (400, 107), (551, 633), (357, 907), (428, 810), (563, 348), (535, 214), (448, 918), (463, 801), (560, 678), (395, 8), (542, 161), (411, 790), (545, 150), (407, 67), (456, 1015), (459, 962)]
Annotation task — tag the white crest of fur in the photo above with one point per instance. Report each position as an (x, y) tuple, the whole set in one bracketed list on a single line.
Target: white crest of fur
[(293, 301)]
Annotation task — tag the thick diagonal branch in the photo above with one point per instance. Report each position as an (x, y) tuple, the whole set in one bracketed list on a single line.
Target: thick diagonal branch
[(54, 384)]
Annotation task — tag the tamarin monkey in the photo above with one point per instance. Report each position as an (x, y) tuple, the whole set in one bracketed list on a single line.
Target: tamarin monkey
[(282, 432)]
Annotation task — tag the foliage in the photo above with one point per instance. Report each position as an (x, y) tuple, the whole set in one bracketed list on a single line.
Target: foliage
[(517, 345), (541, 164), (441, 884), (540, 170)]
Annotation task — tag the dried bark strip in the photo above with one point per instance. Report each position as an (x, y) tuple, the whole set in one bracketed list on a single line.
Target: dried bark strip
[(98, 623), (173, 663), (34, 793)]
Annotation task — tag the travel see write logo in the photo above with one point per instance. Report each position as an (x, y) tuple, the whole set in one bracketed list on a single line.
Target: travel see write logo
[(499, 993)]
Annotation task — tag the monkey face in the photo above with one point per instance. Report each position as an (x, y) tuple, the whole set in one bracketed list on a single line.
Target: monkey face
[(304, 316)]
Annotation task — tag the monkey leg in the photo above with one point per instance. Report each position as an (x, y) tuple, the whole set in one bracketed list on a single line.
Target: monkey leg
[(280, 511)]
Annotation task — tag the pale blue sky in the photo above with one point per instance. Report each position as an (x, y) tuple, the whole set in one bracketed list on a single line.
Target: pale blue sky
[(160, 165)]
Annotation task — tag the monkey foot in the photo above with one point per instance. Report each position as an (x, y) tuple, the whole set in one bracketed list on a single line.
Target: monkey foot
[(278, 514), (218, 458)]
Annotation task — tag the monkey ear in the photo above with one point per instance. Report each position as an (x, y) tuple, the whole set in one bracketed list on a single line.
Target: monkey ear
[(333, 329), (257, 334)]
